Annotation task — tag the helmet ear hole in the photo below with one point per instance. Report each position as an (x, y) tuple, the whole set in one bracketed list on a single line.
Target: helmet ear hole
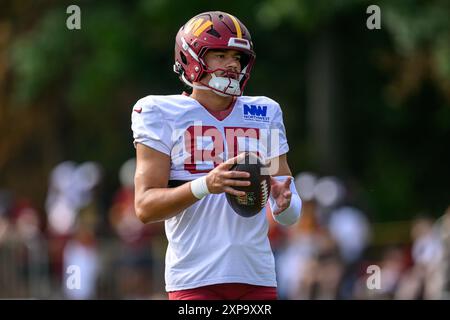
[(245, 59), (183, 58)]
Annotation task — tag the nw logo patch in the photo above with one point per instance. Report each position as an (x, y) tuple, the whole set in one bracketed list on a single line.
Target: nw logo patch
[(255, 113)]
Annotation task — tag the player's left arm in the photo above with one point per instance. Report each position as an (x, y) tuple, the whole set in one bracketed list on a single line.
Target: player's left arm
[(284, 200)]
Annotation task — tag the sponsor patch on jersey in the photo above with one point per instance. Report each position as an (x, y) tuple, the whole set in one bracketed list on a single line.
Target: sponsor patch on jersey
[(255, 113)]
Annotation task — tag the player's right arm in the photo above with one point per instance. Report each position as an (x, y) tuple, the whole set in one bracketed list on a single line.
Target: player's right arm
[(154, 201)]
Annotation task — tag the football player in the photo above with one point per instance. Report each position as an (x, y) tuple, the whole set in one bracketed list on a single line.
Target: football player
[(185, 146)]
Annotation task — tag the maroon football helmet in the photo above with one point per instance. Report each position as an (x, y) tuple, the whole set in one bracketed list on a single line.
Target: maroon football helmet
[(213, 30)]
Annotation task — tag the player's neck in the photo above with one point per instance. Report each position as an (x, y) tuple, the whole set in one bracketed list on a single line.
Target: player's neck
[(211, 100)]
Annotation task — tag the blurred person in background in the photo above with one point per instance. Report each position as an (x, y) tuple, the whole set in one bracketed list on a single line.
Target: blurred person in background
[(392, 265), (423, 280), (72, 195), (444, 234), (300, 247), (81, 262), (350, 227), (134, 260), (34, 266), (23, 249), (5, 204), (324, 271)]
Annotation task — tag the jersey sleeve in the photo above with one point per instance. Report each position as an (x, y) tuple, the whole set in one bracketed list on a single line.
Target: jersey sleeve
[(277, 135), (150, 127)]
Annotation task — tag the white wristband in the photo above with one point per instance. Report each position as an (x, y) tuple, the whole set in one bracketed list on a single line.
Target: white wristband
[(199, 188)]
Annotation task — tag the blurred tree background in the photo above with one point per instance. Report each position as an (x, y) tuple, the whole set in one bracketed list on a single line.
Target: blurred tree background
[(370, 106)]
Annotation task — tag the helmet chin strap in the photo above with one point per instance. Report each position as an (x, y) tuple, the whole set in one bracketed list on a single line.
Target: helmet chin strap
[(232, 86), (190, 84)]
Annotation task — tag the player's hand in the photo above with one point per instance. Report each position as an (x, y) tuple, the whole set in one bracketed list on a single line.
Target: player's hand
[(221, 179), (281, 193)]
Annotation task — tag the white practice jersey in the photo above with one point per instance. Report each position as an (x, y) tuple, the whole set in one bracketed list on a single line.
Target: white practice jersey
[(208, 243)]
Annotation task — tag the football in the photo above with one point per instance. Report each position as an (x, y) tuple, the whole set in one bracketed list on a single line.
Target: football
[(256, 194)]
